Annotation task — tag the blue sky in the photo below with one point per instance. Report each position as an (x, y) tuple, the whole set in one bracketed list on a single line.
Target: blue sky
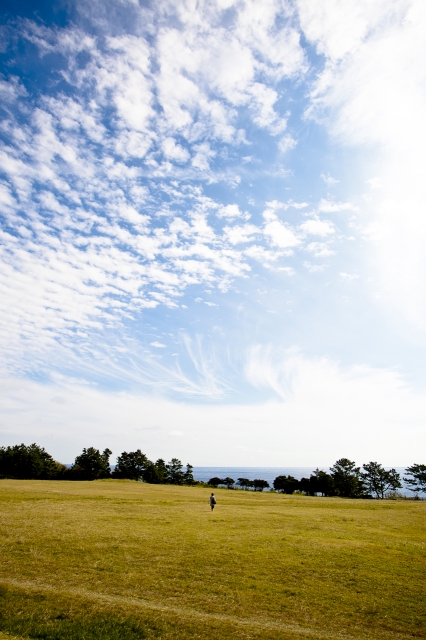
[(212, 229)]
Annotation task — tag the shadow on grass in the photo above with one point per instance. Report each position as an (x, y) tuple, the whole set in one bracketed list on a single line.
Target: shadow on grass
[(35, 615)]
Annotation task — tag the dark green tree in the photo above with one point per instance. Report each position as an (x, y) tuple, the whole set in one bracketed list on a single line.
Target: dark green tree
[(91, 464), (215, 482), (28, 463), (175, 475), (161, 472), (378, 481), (286, 484), (244, 483), (416, 478), (322, 482), (260, 485), (150, 474), (347, 479), (308, 486), (131, 465), (189, 475), (229, 482)]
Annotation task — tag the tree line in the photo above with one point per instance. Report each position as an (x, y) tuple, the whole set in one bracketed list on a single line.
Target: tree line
[(344, 478), (34, 463), (244, 483)]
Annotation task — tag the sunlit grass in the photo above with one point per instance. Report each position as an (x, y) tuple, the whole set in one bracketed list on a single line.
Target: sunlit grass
[(117, 559)]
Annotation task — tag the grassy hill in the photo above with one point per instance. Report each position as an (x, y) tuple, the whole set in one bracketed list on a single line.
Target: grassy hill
[(118, 560)]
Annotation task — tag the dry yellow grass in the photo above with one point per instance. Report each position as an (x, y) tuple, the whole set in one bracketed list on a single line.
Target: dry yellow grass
[(115, 559)]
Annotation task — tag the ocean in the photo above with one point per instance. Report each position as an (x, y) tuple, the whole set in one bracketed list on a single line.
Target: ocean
[(263, 473)]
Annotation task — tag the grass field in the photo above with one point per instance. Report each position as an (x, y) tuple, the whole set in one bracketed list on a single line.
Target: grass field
[(117, 560)]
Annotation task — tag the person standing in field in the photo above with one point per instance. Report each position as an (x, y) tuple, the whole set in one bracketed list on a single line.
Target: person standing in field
[(212, 501)]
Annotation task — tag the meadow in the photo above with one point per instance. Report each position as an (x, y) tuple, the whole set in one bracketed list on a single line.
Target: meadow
[(121, 560)]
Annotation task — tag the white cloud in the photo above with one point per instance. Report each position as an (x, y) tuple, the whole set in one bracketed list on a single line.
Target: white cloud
[(371, 94), (259, 253), (239, 234), (11, 90), (157, 345), (316, 227), (329, 180), (174, 151), (286, 143), (320, 249), (278, 233), (202, 156), (207, 71), (311, 400), (339, 27), (276, 205), (327, 206), (94, 270), (231, 211), (7, 201), (375, 183), (262, 105), (314, 268), (296, 205)]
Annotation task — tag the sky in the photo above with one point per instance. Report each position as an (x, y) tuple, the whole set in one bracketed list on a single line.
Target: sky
[(213, 230)]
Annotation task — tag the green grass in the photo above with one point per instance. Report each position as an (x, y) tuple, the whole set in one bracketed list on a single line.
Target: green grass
[(116, 560)]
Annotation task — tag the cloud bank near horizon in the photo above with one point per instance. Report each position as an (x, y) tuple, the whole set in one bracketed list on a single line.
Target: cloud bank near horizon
[(324, 413)]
